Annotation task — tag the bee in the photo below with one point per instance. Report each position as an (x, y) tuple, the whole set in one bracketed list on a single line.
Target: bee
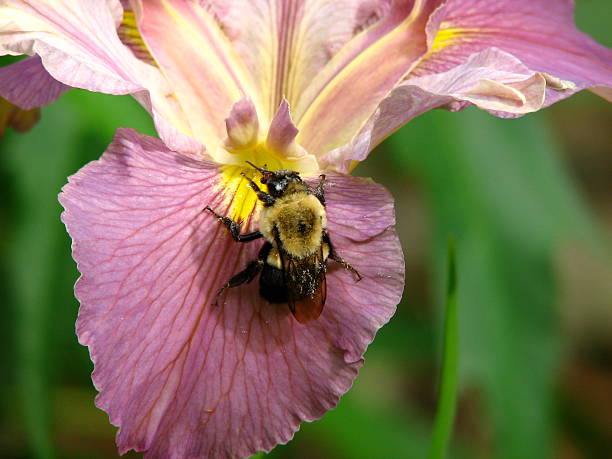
[(292, 262)]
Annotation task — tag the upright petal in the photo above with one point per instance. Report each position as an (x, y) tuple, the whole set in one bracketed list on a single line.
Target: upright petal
[(242, 126), (181, 377), (205, 74), (285, 43), (370, 65), (541, 33), (282, 133)]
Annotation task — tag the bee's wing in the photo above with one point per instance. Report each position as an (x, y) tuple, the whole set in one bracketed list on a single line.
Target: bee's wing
[(309, 308), (306, 286)]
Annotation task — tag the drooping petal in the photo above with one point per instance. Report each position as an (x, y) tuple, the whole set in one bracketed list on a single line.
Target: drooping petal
[(541, 33), (371, 64), (78, 44), (184, 378), (28, 85), (492, 80), (76, 39), (25, 86)]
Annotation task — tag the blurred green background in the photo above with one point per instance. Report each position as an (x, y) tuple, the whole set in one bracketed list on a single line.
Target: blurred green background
[(529, 202)]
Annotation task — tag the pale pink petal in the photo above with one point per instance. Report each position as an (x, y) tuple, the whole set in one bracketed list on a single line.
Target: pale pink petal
[(28, 85), (282, 133), (76, 39), (205, 74), (78, 43), (281, 142), (285, 43), (329, 113), (541, 33), (171, 122), (130, 36), (183, 378), (242, 125), (491, 80)]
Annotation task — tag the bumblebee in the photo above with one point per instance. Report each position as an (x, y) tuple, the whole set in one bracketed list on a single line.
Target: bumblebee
[(293, 259)]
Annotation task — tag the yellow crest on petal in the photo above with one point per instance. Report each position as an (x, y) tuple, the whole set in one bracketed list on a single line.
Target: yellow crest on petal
[(448, 36), (130, 36), (241, 200), (240, 197)]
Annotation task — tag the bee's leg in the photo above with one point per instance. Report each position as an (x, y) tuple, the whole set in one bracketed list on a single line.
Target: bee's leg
[(243, 277), (247, 274), (338, 259), (319, 192), (262, 170), (263, 197), (234, 228)]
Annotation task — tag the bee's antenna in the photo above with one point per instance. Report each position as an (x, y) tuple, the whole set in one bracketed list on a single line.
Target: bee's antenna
[(260, 169)]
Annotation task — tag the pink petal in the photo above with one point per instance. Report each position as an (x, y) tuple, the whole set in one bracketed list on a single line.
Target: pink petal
[(181, 377), (492, 80), (329, 113), (541, 33), (27, 84)]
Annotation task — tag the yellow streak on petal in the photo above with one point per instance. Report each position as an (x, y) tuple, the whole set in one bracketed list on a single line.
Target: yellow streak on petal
[(449, 36), (198, 61), (444, 38), (328, 115), (130, 36)]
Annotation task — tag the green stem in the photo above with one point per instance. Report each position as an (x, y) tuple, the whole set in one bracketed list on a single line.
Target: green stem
[(447, 398)]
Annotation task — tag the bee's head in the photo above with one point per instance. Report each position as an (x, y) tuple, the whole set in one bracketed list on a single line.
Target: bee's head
[(277, 181)]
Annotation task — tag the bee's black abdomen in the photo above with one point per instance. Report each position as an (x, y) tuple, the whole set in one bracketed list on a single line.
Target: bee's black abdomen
[(272, 286)]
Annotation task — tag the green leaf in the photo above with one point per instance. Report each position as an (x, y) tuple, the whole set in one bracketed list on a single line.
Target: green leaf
[(501, 189), (104, 113), (447, 399), (362, 427), (38, 165)]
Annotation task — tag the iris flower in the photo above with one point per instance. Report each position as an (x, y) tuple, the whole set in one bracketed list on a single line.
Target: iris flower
[(306, 85)]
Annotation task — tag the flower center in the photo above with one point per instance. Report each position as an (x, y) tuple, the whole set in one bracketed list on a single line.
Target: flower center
[(275, 150)]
